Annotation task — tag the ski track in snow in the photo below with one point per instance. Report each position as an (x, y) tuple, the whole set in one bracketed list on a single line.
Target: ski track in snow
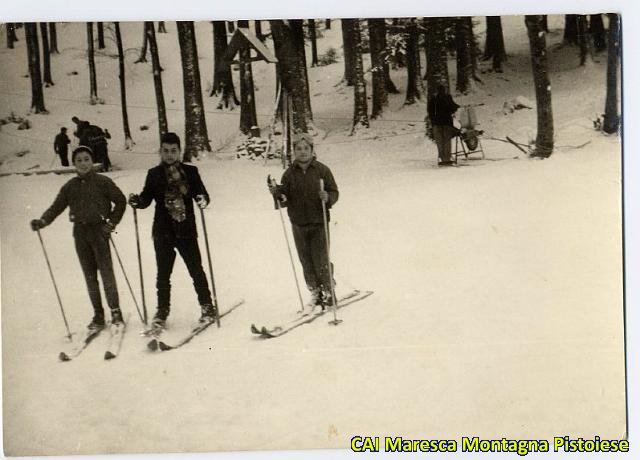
[(498, 286)]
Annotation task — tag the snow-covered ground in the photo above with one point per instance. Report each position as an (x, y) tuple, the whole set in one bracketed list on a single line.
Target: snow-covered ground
[(498, 284)]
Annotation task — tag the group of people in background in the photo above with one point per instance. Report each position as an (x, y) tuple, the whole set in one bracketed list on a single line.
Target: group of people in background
[(91, 136), (96, 206)]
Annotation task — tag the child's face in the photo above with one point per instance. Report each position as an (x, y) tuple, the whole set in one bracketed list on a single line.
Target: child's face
[(303, 152), (83, 163), (169, 153)]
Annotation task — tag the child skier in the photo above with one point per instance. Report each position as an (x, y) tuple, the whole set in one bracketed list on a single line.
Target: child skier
[(89, 197), (300, 192), (174, 186)]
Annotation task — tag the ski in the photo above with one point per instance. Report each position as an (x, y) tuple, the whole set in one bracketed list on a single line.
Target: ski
[(197, 329), (307, 318), (115, 339), (88, 338)]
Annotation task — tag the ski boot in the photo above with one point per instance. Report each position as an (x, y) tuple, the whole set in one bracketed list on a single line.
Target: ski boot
[(159, 321), (116, 317), (315, 300), (209, 313), (97, 323)]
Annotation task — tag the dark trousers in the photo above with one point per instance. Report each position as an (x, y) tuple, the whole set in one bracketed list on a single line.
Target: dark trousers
[(312, 251), (64, 158), (95, 255), (165, 258), (442, 135)]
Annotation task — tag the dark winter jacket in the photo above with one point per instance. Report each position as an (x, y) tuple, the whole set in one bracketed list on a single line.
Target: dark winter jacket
[(155, 188), (440, 108), (61, 143), (89, 199), (301, 189)]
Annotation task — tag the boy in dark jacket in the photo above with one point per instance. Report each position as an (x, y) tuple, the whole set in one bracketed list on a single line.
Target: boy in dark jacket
[(175, 186), (89, 197), (61, 146), (441, 107), (300, 192)]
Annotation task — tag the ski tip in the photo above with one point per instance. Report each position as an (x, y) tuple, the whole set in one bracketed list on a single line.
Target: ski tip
[(164, 347), (108, 355), (152, 345), (63, 357)]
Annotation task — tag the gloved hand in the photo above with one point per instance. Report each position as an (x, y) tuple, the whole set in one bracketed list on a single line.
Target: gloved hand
[(134, 200), (202, 201), (324, 196), (37, 224), (107, 228)]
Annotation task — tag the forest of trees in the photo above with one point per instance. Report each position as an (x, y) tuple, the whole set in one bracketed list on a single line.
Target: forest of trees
[(387, 42)]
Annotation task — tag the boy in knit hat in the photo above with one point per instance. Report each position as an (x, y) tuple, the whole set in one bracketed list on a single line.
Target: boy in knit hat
[(300, 192), (174, 186), (96, 206)]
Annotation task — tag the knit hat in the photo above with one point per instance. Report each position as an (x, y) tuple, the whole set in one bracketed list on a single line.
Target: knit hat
[(80, 149)]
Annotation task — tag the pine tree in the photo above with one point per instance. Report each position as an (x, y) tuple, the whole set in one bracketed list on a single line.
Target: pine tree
[(33, 54), (537, 42), (222, 78), (327, 24), (143, 50), (196, 137), (611, 117), (100, 36), (437, 70), (380, 99), (464, 51), (570, 29), (11, 35), (348, 52), (360, 111), (596, 29), (44, 31), (53, 39), (163, 126), (297, 31), (494, 44), (128, 141), (415, 88), (93, 85), (314, 45), (583, 39), (161, 28), (248, 117)]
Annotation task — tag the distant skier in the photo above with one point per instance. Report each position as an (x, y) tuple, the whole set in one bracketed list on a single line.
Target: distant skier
[(441, 107), (174, 186), (96, 206), (61, 146), (300, 192), (95, 138)]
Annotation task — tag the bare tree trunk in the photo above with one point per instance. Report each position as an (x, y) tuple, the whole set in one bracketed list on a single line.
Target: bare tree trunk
[(195, 124), (545, 23), (415, 88), (33, 54), (463, 55), (291, 73), (570, 28), (143, 50), (222, 78), (53, 38), (258, 25), (297, 29), (583, 40), (93, 85), (611, 117), (494, 44), (348, 52), (248, 117), (537, 42), (327, 24), (596, 29), (161, 27), (48, 81), (100, 36), (437, 70), (360, 110), (128, 141), (388, 83), (232, 27), (380, 99), (163, 126), (11, 35), (314, 45)]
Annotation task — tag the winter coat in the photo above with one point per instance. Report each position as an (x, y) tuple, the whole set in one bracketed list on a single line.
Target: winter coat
[(61, 143), (440, 108), (89, 199), (156, 187), (301, 189)]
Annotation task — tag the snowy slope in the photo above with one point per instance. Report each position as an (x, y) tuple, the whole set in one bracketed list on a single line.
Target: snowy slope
[(498, 285)]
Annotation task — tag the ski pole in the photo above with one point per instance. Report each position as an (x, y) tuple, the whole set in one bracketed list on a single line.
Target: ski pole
[(55, 286), (335, 321), (286, 237), (126, 279), (144, 304), (213, 284)]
